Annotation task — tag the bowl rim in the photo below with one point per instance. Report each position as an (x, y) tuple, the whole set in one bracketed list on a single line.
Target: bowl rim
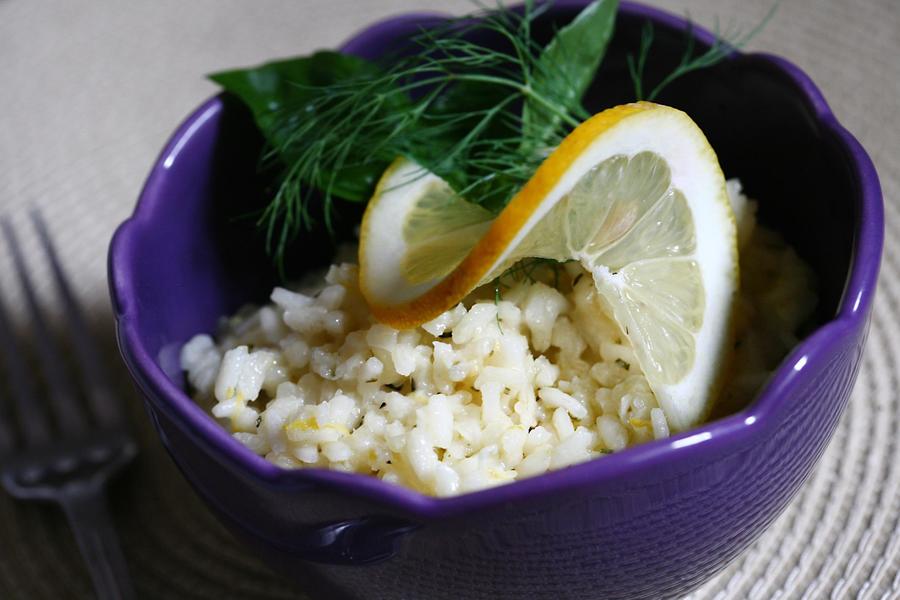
[(709, 439)]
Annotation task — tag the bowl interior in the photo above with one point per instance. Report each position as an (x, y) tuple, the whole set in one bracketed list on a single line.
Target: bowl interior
[(201, 257)]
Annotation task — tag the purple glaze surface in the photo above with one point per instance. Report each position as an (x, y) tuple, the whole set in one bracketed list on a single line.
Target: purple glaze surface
[(652, 521)]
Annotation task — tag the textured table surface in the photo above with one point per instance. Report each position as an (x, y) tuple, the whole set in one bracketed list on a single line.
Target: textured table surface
[(89, 91)]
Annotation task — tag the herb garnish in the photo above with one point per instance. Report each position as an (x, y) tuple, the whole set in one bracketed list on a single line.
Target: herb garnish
[(497, 299), (481, 118), (723, 45)]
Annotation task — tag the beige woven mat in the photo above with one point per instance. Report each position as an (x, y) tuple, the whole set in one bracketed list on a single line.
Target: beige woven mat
[(89, 91)]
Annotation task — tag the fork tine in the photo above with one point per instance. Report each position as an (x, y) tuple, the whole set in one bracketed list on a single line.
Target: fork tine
[(7, 441), (63, 401), (103, 401), (21, 386), (6, 437)]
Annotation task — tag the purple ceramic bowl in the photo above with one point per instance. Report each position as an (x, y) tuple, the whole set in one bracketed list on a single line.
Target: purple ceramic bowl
[(652, 521)]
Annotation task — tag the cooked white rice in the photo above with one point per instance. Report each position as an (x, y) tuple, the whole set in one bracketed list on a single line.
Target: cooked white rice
[(490, 391)]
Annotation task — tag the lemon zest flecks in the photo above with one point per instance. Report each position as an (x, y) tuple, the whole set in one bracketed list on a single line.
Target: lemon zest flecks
[(500, 475), (336, 427), (309, 424)]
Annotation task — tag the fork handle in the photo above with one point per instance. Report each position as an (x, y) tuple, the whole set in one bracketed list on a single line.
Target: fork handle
[(89, 519)]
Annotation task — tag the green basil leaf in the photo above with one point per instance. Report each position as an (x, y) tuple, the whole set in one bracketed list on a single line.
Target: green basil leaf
[(566, 68), (280, 89)]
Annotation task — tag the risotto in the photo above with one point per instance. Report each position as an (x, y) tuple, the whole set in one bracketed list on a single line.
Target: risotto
[(518, 379)]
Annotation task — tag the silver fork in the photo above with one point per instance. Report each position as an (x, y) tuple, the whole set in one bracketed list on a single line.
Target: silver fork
[(63, 453)]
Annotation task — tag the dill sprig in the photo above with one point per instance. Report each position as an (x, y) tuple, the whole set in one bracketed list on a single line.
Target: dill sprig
[(479, 114), (451, 104), (724, 44), (527, 269), (497, 299)]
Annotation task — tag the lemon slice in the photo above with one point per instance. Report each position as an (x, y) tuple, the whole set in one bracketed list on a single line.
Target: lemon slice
[(438, 228), (635, 194)]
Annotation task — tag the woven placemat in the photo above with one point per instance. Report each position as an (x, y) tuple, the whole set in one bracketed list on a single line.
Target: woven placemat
[(89, 91)]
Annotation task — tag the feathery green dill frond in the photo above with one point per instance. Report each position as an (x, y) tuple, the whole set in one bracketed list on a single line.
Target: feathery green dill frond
[(724, 44), (481, 115), (452, 104), (528, 270)]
